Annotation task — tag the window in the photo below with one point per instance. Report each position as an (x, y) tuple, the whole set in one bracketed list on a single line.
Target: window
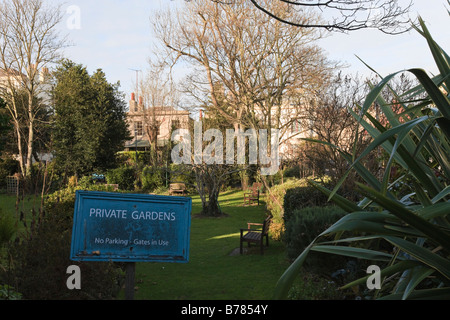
[(158, 127), (139, 129), (176, 124), (295, 126)]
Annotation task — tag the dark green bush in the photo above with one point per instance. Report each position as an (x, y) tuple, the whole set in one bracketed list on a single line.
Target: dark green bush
[(40, 257), (7, 228), (302, 197), (182, 173), (310, 286), (306, 224), (129, 157), (280, 199), (8, 166), (152, 178), (292, 172), (124, 176)]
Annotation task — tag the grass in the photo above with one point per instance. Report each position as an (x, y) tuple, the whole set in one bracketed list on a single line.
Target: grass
[(10, 207), (9, 204), (212, 272)]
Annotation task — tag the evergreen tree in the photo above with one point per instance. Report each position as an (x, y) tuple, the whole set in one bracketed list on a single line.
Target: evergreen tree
[(89, 122)]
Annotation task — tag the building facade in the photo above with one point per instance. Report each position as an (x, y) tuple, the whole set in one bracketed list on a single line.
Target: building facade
[(153, 125)]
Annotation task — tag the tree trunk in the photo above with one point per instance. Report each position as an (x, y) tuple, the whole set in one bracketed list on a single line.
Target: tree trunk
[(211, 207), (19, 147), (29, 148), (243, 172), (208, 187)]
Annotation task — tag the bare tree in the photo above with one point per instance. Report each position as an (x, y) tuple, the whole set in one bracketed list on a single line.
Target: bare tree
[(248, 62), (209, 176), (29, 44), (389, 16), (328, 119), (248, 66), (159, 100)]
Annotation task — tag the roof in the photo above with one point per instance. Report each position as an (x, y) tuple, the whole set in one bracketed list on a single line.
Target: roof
[(159, 111), (144, 143), (140, 144), (10, 72)]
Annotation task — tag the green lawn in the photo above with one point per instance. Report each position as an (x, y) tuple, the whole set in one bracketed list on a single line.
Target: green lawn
[(10, 205), (212, 273)]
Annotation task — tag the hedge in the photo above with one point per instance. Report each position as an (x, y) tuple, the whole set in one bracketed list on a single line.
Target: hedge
[(276, 203), (306, 224)]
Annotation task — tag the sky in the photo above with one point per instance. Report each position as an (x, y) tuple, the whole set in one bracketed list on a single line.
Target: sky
[(116, 36)]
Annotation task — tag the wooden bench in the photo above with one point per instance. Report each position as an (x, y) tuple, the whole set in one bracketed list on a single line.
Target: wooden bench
[(177, 188), (252, 196), (251, 235), (113, 186)]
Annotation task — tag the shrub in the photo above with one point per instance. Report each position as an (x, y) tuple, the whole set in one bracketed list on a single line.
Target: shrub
[(123, 176), (292, 172), (9, 293), (7, 228), (306, 224), (302, 228), (310, 286), (276, 229), (275, 202), (8, 167), (152, 178), (39, 259), (129, 157), (183, 173), (303, 197)]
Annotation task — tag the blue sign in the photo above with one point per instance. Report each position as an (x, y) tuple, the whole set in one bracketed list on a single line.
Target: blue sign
[(130, 227)]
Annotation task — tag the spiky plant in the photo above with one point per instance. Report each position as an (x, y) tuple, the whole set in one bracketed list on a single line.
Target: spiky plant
[(416, 226)]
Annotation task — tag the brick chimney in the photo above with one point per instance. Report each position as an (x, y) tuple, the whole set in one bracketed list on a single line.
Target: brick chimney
[(133, 104), (43, 74)]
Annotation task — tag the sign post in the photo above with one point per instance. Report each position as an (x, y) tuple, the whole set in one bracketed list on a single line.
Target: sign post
[(130, 270), (130, 228)]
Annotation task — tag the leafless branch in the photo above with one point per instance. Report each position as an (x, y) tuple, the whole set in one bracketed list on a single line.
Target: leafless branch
[(29, 43), (389, 16)]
